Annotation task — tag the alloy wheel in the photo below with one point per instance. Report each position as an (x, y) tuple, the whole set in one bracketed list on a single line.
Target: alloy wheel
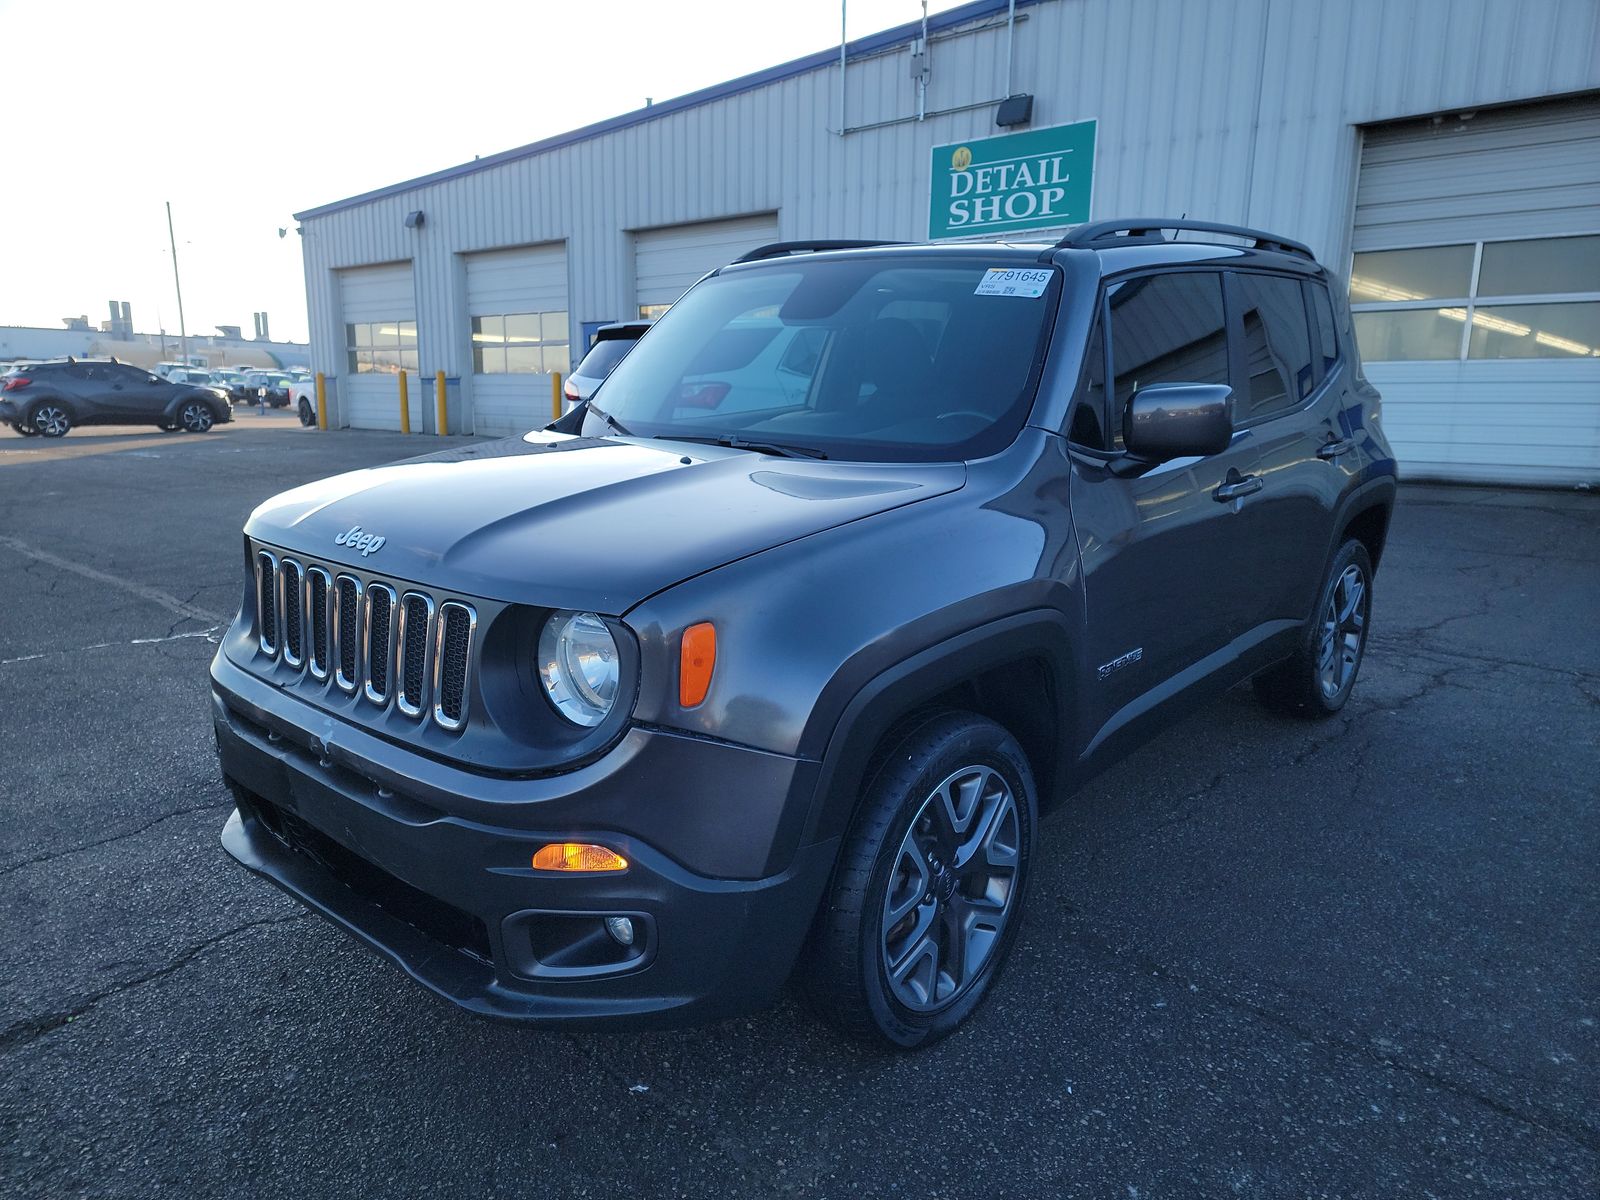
[(51, 420), (951, 889), (196, 417), (1344, 628)]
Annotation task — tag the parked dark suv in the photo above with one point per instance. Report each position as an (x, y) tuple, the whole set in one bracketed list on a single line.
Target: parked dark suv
[(48, 399), (765, 662)]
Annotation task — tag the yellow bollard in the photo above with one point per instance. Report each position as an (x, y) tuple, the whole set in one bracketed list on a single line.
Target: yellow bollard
[(405, 405), (555, 395), (444, 417), (322, 402)]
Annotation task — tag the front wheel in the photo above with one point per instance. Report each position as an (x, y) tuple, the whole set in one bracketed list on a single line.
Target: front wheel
[(1318, 679), (196, 417), (50, 420), (927, 895)]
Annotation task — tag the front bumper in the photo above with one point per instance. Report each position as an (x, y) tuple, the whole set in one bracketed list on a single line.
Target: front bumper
[(452, 898)]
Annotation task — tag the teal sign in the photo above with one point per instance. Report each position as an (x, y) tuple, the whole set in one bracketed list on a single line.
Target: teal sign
[(1032, 180)]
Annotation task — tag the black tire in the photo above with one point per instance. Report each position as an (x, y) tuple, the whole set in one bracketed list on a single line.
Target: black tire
[(1318, 679), (308, 414), (889, 857), (25, 429), (50, 419), (196, 416)]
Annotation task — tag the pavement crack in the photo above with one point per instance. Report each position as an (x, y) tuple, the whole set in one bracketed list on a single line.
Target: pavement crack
[(143, 591), (22, 1033), (1555, 1124), (52, 855)]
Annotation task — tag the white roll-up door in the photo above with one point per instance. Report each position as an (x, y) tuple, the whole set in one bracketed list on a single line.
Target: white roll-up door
[(1476, 285), (379, 308), (521, 333), (667, 261)]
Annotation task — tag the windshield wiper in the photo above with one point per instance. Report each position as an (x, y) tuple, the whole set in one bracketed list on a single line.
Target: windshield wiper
[(738, 443), (616, 426)]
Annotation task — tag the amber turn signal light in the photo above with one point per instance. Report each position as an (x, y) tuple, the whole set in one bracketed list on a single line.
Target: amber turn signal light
[(698, 660), (577, 856)]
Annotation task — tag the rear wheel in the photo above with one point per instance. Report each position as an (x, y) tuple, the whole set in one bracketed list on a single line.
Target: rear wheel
[(308, 415), (925, 901), (1318, 679), (196, 417), (25, 429), (49, 419)]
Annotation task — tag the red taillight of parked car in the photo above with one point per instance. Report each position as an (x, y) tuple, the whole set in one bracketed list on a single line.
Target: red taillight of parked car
[(571, 392), (16, 383)]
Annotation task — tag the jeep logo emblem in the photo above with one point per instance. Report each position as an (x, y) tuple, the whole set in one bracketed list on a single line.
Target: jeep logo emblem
[(367, 543)]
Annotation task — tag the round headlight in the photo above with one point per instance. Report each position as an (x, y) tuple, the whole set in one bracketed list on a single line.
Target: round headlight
[(578, 666)]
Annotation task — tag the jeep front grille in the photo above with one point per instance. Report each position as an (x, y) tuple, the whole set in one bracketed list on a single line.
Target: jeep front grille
[(372, 639)]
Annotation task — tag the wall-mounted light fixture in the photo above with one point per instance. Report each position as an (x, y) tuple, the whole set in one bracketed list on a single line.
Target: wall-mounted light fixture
[(414, 219)]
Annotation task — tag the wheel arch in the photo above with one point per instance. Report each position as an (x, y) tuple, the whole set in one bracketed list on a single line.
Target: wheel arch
[(1018, 671)]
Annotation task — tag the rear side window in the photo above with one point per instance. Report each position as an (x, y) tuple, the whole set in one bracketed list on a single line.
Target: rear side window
[(1170, 328), (1322, 320), (1277, 345)]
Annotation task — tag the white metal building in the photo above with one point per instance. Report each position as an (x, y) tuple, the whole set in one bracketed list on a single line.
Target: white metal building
[(1444, 154)]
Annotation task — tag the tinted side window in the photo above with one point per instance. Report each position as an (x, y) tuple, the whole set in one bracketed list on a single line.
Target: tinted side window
[(1087, 427), (1322, 314), (1277, 345), (1168, 328)]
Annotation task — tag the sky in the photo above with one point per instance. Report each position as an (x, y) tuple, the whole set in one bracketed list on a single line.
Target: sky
[(242, 114)]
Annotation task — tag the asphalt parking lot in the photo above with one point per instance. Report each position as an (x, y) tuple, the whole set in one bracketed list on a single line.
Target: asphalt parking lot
[(1262, 957)]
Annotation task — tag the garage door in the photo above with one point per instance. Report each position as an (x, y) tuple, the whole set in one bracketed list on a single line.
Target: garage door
[(1476, 288), (667, 261), (380, 327), (517, 302)]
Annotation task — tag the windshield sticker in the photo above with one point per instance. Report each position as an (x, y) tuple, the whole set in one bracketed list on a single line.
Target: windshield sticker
[(1014, 281)]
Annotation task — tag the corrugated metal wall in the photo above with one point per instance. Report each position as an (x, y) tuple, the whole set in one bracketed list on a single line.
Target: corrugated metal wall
[(1236, 110)]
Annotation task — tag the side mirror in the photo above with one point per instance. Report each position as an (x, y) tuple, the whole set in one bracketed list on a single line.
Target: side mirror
[(1179, 420)]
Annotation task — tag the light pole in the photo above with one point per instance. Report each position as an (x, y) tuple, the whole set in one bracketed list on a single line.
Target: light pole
[(183, 333)]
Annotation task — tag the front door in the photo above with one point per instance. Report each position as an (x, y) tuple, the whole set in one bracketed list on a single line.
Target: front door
[(1162, 556)]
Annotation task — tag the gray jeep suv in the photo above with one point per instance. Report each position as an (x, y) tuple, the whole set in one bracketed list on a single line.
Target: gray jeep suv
[(764, 661)]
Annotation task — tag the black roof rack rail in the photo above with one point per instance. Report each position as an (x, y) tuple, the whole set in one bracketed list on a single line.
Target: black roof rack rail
[(779, 249), (1097, 234)]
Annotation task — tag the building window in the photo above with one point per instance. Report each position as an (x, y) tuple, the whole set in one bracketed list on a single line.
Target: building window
[(520, 344), (1533, 298), (652, 312), (381, 347)]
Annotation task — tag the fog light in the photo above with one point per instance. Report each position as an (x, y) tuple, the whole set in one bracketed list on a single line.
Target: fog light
[(620, 929), (577, 856)]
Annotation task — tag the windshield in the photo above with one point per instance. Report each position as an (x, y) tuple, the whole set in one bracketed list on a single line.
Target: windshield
[(874, 358), (600, 361)]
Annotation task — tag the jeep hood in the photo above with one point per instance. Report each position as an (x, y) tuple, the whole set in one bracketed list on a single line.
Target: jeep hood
[(587, 523)]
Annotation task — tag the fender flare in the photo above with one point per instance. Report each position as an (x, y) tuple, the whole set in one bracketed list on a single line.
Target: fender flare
[(882, 701)]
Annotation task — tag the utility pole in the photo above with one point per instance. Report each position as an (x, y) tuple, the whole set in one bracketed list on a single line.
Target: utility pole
[(183, 333)]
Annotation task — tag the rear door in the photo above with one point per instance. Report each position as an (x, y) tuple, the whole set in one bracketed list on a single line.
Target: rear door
[(1287, 416), (1162, 557)]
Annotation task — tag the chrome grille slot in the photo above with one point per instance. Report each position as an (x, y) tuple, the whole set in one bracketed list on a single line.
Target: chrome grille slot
[(416, 627), (318, 583), (290, 611), (350, 601), (453, 658), (267, 603), (379, 656)]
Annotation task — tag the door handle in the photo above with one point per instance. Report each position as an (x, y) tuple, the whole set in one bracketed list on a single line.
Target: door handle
[(1335, 448), (1236, 488)]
